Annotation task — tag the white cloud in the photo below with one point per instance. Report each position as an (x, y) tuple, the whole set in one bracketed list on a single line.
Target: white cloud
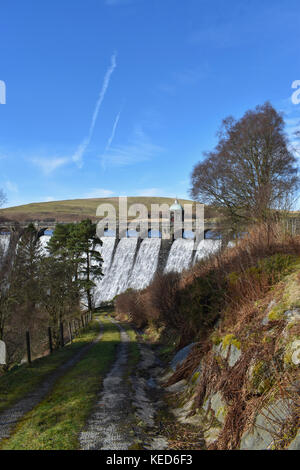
[(140, 148), (48, 165), (150, 192), (291, 114), (11, 187), (78, 155), (98, 192)]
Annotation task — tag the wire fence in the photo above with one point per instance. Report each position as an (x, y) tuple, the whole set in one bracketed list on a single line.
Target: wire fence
[(68, 330)]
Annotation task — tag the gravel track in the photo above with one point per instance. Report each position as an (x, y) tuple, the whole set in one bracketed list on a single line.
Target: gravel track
[(123, 417), (111, 423), (10, 417)]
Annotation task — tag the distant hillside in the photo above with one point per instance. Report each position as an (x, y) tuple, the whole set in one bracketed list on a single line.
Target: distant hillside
[(74, 209)]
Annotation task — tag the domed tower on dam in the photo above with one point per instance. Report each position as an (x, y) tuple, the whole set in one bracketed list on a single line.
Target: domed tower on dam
[(176, 210)]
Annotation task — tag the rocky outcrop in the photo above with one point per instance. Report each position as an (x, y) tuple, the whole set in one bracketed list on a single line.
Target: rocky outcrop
[(267, 426), (244, 393)]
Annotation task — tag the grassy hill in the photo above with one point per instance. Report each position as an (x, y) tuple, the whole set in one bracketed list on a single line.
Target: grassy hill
[(74, 209)]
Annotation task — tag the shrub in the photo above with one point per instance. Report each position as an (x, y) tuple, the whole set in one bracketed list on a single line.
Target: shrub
[(130, 304), (191, 302)]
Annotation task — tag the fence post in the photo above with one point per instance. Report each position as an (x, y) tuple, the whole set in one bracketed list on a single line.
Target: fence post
[(28, 347), (50, 340), (70, 332), (61, 334)]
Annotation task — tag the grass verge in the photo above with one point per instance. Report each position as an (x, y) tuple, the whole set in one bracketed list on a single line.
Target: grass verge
[(133, 351), (57, 421), (22, 380)]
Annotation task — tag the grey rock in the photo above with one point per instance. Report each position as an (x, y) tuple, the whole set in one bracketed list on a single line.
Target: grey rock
[(178, 387), (267, 424), (292, 315), (181, 356), (234, 355), (216, 403), (211, 435), (295, 348), (230, 353), (185, 414), (157, 443), (295, 444)]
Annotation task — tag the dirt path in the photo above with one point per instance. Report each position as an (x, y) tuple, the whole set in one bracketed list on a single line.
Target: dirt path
[(123, 417), (10, 417)]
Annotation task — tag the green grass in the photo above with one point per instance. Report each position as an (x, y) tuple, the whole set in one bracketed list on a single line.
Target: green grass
[(133, 352), (77, 207), (57, 421), (16, 383)]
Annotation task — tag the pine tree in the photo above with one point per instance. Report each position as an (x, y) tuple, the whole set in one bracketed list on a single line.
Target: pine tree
[(78, 244), (83, 242)]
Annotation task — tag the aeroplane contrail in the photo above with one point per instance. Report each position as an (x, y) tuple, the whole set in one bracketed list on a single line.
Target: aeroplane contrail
[(111, 138), (77, 157)]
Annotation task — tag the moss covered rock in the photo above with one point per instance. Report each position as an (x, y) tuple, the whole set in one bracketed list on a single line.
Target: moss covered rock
[(229, 349), (217, 405), (260, 378), (268, 424)]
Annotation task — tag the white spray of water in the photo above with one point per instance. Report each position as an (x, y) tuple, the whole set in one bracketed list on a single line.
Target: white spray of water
[(180, 256), (146, 263), (44, 239), (206, 248), (116, 280), (106, 250), (4, 244)]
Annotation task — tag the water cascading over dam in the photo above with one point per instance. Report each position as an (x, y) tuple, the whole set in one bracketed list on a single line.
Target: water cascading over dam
[(132, 262), (180, 256)]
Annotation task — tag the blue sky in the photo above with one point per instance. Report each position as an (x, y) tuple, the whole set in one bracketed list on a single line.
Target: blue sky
[(121, 97)]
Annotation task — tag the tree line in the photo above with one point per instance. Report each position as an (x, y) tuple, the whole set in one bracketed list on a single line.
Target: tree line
[(39, 287)]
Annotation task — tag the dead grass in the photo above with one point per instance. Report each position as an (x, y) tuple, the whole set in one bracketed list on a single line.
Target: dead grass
[(222, 286), (260, 269)]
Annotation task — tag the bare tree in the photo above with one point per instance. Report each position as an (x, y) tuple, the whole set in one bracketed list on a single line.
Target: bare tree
[(252, 170), (59, 292)]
